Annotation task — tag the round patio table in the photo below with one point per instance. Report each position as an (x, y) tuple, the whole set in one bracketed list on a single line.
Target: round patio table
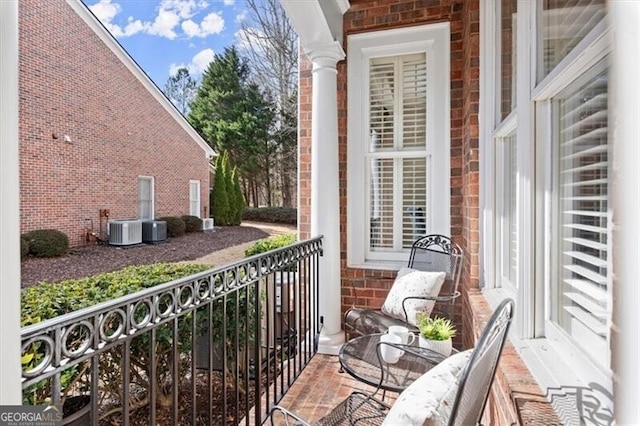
[(361, 358)]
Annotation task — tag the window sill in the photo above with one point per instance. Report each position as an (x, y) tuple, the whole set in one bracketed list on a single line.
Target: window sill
[(576, 392), (385, 265)]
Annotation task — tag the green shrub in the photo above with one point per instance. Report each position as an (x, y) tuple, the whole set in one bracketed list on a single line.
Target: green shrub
[(46, 300), (24, 247), (49, 300), (238, 198), (220, 208), (271, 243), (175, 226), (286, 215), (192, 223), (47, 242)]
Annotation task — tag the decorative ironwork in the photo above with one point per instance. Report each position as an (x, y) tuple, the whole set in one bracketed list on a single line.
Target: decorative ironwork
[(151, 337)]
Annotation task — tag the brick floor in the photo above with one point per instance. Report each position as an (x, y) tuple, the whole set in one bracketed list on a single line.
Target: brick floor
[(321, 387)]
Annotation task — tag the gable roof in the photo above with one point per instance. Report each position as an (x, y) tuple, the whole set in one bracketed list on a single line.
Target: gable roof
[(90, 19)]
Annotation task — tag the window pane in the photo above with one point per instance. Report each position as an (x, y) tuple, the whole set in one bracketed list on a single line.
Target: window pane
[(382, 103), (564, 24), (381, 202), (582, 280), (507, 211), (414, 200), (414, 101), (508, 56)]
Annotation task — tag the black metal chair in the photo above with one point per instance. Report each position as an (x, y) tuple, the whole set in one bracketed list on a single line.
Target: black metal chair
[(433, 252), (473, 385)]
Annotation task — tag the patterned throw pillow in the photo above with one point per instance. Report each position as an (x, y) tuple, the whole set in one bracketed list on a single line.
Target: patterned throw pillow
[(429, 399), (415, 284)]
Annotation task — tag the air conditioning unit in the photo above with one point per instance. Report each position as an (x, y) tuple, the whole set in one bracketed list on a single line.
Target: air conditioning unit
[(125, 232), (207, 224), (153, 231)]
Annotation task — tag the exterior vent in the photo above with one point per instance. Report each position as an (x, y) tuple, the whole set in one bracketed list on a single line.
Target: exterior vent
[(207, 224), (154, 230), (125, 232)]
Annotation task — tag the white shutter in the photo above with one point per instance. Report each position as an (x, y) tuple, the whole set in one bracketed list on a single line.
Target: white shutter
[(582, 188), (564, 24), (397, 157)]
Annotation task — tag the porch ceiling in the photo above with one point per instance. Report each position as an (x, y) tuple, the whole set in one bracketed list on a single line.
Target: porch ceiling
[(317, 22)]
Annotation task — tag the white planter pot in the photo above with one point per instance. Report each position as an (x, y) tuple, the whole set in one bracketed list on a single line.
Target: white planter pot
[(440, 346)]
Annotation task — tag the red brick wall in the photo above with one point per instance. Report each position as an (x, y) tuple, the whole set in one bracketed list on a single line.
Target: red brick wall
[(72, 84)]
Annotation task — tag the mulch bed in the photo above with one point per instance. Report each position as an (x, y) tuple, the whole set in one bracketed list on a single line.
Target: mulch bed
[(87, 261)]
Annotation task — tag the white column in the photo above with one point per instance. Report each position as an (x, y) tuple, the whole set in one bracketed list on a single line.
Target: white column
[(10, 387), (325, 200), (625, 332)]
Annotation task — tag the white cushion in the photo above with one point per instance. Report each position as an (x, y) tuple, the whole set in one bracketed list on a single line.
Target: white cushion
[(429, 399), (414, 283)]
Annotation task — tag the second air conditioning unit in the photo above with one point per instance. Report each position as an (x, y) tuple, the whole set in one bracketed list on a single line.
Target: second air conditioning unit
[(125, 232), (154, 230), (207, 224)]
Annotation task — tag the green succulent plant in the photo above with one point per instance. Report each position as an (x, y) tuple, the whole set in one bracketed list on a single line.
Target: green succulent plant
[(436, 328)]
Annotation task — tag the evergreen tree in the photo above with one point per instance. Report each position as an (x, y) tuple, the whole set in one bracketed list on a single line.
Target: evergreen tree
[(228, 180), (239, 203), (220, 199)]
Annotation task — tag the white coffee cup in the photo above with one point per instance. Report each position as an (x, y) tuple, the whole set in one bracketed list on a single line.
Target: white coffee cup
[(389, 353), (406, 337)]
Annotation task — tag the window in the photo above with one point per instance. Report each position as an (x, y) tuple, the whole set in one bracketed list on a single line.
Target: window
[(194, 198), (580, 280), (398, 142), (546, 166), (506, 209), (145, 198), (563, 25)]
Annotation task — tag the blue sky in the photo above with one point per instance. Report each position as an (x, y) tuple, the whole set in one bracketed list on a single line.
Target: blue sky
[(164, 35)]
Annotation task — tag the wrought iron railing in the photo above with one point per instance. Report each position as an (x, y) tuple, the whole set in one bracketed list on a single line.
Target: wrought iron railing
[(218, 347)]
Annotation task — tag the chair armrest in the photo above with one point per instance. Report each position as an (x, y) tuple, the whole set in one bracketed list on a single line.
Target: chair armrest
[(439, 298), (286, 414)]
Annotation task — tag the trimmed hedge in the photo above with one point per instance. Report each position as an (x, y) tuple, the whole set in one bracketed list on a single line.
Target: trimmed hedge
[(24, 247), (192, 223), (271, 243), (272, 215), (175, 226), (47, 242), (49, 300)]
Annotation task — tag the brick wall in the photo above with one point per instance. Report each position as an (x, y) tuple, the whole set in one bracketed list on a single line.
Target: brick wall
[(72, 84)]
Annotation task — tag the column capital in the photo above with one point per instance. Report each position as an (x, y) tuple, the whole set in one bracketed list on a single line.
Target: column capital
[(325, 55)]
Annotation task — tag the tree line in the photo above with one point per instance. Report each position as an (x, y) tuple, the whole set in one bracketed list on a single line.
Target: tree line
[(245, 105)]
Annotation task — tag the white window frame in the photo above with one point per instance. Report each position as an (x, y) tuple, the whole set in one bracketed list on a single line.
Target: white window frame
[(197, 183), (433, 40), (552, 359), (152, 210)]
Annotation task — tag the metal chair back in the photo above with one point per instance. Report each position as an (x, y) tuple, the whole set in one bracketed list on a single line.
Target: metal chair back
[(438, 253), (475, 383)]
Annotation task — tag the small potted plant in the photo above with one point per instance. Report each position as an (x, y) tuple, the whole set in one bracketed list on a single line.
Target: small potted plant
[(435, 333)]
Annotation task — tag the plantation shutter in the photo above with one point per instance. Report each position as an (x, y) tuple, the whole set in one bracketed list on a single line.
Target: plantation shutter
[(583, 181), (564, 24), (397, 157)]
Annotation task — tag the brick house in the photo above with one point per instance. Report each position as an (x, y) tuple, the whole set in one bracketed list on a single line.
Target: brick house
[(493, 118), (96, 133)]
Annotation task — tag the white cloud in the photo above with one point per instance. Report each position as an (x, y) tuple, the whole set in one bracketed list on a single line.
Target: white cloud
[(213, 23), (241, 17), (198, 64), (171, 15), (250, 37), (164, 24), (229, 2)]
